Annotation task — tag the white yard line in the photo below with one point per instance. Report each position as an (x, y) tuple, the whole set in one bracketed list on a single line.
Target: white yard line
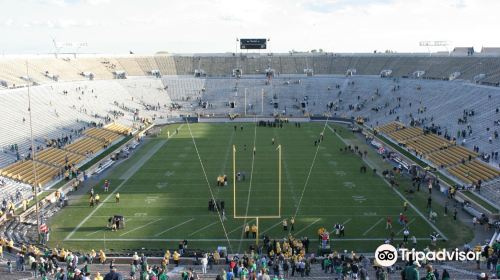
[(152, 222), (205, 227), (209, 187), (300, 216), (95, 232), (254, 151), (126, 176), (398, 193), (222, 240), (372, 227), (176, 226), (347, 221), (273, 226), (310, 171), (317, 220)]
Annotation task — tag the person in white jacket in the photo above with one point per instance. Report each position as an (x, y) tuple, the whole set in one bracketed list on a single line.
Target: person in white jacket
[(204, 263)]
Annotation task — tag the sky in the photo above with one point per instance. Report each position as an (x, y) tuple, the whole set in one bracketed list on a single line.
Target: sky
[(192, 26)]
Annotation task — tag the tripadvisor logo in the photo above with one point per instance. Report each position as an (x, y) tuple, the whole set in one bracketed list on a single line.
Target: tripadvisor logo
[(441, 255), (386, 255)]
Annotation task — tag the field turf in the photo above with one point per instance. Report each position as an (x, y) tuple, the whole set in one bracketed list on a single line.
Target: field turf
[(165, 190)]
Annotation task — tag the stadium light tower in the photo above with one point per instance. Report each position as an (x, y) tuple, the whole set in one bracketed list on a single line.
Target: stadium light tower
[(33, 153)]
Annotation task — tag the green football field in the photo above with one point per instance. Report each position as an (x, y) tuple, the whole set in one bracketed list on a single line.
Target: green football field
[(166, 185)]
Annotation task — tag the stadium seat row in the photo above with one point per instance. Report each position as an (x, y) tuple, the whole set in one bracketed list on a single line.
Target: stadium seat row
[(119, 128), (23, 171), (404, 134), (428, 143), (451, 155), (101, 134), (86, 146), (389, 127), (58, 157), (442, 153), (473, 171)]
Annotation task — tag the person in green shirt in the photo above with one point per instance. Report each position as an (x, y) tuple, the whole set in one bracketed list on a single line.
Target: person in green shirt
[(496, 246), (326, 264), (429, 273), (133, 270), (144, 275), (163, 275), (446, 275), (244, 273), (411, 271)]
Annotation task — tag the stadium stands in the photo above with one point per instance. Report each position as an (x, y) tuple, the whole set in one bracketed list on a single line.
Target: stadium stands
[(451, 155), (442, 153), (389, 127), (118, 128), (101, 134), (23, 171), (428, 143), (86, 146), (404, 134), (58, 157), (439, 67), (474, 171)]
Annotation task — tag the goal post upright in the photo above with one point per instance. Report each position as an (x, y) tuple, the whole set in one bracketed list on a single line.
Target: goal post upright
[(234, 181), (279, 179)]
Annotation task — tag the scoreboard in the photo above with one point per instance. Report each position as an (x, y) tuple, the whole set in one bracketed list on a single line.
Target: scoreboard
[(253, 44)]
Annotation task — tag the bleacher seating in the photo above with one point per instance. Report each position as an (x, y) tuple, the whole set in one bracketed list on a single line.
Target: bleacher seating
[(451, 155), (389, 127), (12, 186), (23, 171), (58, 157), (101, 134), (118, 128), (425, 144), (86, 146), (461, 162), (473, 171), (401, 135)]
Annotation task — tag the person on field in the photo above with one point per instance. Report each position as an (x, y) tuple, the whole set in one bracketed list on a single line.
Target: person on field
[(247, 231), (97, 199), (117, 197), (406, 234), (285, 225), (388, 223), (254, 231), (106, 185)]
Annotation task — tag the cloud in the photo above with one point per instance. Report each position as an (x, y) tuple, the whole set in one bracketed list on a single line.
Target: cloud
[(62, 23), (329, 6), (8, 22), (211, 26), (95, 2)]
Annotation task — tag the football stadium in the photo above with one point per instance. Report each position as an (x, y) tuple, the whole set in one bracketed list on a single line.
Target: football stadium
[(249, 163)]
